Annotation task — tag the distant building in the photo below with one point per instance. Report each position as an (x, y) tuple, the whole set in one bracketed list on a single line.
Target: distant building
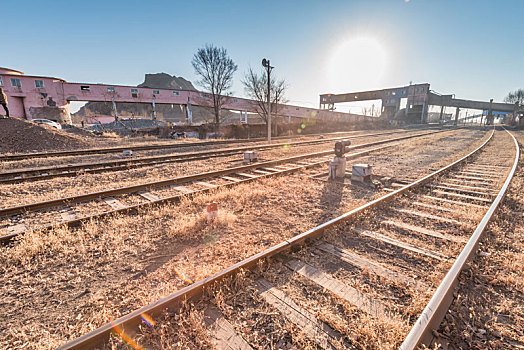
[(31, 97)]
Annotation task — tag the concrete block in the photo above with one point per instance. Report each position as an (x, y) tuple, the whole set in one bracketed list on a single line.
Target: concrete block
[(250, 157), (337, 168), (212, 211), (361, 173), (361, 170)]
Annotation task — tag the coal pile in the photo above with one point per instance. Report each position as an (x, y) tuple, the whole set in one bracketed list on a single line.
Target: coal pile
[(18, 136)]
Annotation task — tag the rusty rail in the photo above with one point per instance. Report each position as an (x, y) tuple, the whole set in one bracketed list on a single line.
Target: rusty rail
[(133, 208), (43, 173), (440, 301), (21, 156), (128, 323), (134, 188)]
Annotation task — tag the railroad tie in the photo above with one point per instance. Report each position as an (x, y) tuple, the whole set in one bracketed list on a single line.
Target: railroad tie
[(403, 245), (491, 166), (445, 200), (249, 176), (424, 231), (149, 196), (222, 332), (426, 216), (205, 184), (476, 173), (463, 196), (261, 172), (474, 188), (365, 264), (353, 296), (461, 190), (113, 203), (182, 189), (16, 229), (318, 331), (470, 178), (68, 214), (232, 179), (472, 182), (431, 206), (271, 170)]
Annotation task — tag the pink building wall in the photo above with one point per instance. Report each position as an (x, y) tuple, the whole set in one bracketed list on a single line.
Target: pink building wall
[(48, 97)]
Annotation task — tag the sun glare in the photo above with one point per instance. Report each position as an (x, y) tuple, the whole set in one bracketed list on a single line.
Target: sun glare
[(356, 64)]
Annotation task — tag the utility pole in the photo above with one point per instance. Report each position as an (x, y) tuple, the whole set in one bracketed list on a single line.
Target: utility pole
[(266, 64)]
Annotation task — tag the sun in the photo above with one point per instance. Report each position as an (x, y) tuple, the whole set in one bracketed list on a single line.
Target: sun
[(356, 64)]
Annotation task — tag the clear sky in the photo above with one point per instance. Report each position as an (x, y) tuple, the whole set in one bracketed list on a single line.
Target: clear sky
[(474, 48)]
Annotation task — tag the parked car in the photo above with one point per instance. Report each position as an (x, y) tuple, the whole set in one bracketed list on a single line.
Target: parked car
[(48, 122)]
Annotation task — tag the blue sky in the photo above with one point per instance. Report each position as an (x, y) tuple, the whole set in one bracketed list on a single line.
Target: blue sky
[(474, 49)]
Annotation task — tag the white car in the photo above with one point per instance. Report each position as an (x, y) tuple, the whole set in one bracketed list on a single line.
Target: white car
[(48, 122)]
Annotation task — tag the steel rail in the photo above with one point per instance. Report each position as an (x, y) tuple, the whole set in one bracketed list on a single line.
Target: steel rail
[(436, 309), (16, 176), (129, 322), (21, 156), (134, 208), (187, 178)]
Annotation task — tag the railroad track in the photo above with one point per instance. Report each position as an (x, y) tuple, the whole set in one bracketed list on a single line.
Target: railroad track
[(71, 170), (71, 211), (22, 156), (356, 281)]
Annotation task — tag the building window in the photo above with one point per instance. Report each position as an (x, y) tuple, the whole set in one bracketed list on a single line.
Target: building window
[(134, 91), (39, 84), (387, 93), (16, 82), (176, 93), (110, 89), (235, 100), (85, 88), (393, 93), (1, 82), (404, 92), (156, 92)]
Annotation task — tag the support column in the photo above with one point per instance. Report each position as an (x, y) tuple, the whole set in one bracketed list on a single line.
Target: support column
[(441, 113), (114, 109), (189, 113), (424, 111), (457, 115), (154, 110), (489, 119)]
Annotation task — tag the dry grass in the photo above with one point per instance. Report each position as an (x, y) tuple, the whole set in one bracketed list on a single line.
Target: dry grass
[(144, 141), (110, 267), (17, 194)]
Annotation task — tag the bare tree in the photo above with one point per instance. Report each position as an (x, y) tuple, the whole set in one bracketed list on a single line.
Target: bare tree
[(255, 86), (215, 68), (515, 96)]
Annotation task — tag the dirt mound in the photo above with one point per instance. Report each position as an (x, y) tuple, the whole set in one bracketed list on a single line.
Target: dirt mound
[(18, 135)]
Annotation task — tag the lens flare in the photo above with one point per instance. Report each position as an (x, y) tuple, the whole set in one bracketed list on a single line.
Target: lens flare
[(182, 276), (124, 336), (147, 320)]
